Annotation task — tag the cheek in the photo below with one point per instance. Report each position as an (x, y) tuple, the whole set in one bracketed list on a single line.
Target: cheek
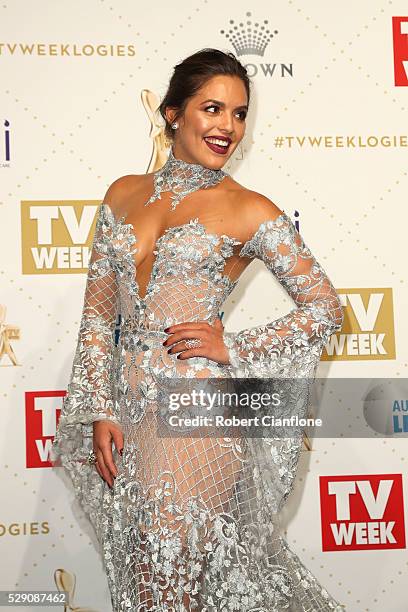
[(240, 130), (203, 124)]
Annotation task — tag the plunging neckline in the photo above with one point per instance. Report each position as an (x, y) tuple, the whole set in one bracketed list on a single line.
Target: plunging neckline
[(130, 229)]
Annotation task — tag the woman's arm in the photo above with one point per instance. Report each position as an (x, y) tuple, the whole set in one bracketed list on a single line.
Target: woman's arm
[(90, 390), (292, 344), (89, 395)]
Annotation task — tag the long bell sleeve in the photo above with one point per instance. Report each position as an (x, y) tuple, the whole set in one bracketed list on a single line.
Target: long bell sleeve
[(285, 353), (291, 345), (90, 392)]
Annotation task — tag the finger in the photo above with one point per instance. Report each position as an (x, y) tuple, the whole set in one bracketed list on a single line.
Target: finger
[(182, 347), (104, 472), (106, 449), (117, 436), (187, 325), (184, 335), (195, 352), (218, 323), (98, 469)]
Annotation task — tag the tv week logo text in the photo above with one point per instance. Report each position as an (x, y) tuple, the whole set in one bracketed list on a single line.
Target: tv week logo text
[(362, 512), (57, 235), (42, 409)]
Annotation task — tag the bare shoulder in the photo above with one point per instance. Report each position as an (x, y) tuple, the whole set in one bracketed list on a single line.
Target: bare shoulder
[(123, 189), (254, 207), (260, 206)]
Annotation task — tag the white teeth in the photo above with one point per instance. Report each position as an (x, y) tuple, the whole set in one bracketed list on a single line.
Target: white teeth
[(216, 141)]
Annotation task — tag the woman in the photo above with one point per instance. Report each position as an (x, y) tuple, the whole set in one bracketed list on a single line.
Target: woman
[(189, 522)]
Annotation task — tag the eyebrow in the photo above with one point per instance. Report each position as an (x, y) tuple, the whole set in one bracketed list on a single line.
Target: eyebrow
[(243, 106)]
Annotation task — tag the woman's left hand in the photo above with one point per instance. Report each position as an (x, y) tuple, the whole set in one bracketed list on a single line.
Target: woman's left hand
[(212, 344)]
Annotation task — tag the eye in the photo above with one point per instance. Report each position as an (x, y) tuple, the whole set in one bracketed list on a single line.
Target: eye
[(241, 114), (211, 106)]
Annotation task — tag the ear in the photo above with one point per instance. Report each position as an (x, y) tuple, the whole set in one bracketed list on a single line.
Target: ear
[(170, 112)]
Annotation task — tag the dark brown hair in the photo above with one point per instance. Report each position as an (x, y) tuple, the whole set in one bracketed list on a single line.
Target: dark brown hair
[(192, 73)]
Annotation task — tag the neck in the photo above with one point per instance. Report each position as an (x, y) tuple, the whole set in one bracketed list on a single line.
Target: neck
[(182, 177), (179, 155), (177, 160)]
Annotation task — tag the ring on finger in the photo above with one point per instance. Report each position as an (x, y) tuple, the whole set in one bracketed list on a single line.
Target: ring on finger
[(193, 343), (92, 459)]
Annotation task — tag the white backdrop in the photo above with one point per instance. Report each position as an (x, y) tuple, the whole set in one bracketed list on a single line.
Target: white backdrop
[(326, 141)]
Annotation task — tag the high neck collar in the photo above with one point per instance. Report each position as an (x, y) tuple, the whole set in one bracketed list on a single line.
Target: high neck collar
[(182, 178), (179, 165)]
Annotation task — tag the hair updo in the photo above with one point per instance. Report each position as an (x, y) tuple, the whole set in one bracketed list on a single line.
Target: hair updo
[(192, 73)]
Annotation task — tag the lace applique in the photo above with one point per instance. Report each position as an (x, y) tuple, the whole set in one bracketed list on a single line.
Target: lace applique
[(190, 523), (183, 178), (291, 345)]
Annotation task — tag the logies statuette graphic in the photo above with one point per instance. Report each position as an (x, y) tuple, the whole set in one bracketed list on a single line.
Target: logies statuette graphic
[(160, 144), (7, 332), (66, 581)]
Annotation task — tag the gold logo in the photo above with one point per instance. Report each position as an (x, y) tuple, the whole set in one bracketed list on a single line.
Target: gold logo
[(66, 581), (8, 332), (57, 235), (160, 143), (368, 328)]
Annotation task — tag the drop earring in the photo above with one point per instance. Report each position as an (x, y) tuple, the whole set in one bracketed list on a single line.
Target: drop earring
[(174, 125), (242, 153)]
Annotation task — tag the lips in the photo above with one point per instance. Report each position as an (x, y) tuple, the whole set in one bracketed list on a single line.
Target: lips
[(217, 147)]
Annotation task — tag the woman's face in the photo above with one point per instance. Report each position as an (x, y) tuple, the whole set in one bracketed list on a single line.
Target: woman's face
[(217, 111)]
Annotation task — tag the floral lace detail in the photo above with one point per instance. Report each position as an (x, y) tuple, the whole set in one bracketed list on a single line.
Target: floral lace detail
[(190, 523), (91, 383), (175, 255), (182, 178), (292, 344)]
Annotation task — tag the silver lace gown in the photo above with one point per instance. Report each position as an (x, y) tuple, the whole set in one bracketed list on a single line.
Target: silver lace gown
[(191, 523)]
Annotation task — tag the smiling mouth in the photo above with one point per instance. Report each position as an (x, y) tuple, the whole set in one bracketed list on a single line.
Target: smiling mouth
[(218, 145)]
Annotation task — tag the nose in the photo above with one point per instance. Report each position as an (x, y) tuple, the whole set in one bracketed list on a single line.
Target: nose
[(226, 123)]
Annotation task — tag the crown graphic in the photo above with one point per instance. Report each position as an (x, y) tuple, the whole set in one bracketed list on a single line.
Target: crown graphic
[(249, 38)]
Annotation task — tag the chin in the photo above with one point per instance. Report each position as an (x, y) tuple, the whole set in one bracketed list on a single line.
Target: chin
[(215, 162)]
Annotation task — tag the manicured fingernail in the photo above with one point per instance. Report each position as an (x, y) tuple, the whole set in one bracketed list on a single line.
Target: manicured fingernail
[(167, 329), (121, 451)]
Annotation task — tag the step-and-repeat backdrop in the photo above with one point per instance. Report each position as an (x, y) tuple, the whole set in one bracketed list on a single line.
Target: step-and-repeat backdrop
[(326, 140)]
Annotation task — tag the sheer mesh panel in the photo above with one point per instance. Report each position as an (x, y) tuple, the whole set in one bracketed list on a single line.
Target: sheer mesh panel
[(192, 522)]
